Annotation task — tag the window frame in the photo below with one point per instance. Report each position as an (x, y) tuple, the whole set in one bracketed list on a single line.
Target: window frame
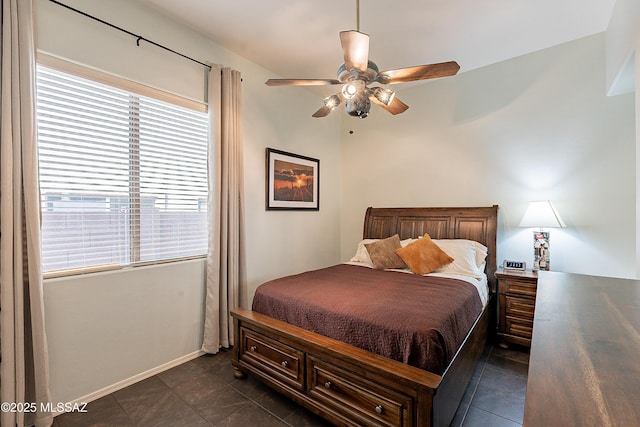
[(136, 88)]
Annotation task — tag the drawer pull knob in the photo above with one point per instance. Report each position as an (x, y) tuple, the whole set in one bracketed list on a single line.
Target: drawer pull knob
[(328, 384), (285, 364), (379, 409), (254, 348)]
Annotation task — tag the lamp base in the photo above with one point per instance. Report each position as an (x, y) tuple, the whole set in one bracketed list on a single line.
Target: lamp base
[(541, 251)]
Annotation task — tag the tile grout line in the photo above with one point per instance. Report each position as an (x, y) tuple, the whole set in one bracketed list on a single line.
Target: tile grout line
[(498, 415), (475, 388), (187, 403), (259, 405), (504, 371)]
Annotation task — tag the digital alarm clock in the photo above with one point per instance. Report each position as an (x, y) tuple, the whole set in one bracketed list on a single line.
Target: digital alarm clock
[(514, 265)]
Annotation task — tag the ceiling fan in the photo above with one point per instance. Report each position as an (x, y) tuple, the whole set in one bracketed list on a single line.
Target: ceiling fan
[(358, 74)]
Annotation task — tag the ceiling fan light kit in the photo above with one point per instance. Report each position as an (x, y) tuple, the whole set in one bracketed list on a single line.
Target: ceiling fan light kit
[(358, 72), (350, 89), (385, 96)]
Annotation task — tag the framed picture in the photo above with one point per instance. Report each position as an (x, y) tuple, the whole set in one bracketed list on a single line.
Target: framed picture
[(292, 181)]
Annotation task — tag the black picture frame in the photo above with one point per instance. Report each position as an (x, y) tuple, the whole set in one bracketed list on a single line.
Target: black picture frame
[(292, 181)]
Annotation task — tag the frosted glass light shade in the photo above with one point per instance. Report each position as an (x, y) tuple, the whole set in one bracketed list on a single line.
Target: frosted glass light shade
[(541, 214)]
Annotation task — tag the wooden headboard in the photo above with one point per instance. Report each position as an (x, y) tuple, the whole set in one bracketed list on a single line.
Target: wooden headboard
[(479, 224)]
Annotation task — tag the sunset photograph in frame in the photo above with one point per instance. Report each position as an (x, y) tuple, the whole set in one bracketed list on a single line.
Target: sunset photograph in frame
[(292, 181)]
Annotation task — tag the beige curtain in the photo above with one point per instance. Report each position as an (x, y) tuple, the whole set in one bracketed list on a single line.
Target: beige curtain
[(24, 370), (226, 265)]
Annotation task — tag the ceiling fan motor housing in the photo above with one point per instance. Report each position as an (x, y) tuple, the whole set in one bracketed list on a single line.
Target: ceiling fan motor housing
[(345, 75), (358, 106)]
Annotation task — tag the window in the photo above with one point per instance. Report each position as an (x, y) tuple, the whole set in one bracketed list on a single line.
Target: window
[(123, 177)]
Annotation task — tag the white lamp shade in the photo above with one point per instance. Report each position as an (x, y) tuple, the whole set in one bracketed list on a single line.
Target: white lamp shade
[(541, 214)]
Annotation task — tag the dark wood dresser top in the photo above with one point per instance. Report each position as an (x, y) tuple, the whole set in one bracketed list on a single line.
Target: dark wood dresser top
[(584, 368)]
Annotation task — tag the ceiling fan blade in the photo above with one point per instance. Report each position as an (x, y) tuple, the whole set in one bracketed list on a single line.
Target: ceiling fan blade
[(301, 82), (355, 47), (396, 106), (420, 72), (322, 112)]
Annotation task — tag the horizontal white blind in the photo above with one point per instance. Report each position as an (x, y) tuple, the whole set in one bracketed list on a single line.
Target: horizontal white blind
[(123, 178)]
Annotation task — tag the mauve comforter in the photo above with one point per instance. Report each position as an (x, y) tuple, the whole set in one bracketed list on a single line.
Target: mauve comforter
[(418, 320)]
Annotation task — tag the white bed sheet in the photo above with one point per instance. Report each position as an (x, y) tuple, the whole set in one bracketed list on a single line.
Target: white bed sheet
[(481, 284)]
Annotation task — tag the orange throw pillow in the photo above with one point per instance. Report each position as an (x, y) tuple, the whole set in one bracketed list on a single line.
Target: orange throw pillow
[(423, 256)]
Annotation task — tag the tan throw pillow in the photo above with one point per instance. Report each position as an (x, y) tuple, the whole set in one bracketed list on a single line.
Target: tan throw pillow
[(383, 253), (423, 256)]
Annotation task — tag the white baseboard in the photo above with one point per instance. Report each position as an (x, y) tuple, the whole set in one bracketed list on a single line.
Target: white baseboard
[(136, 378)]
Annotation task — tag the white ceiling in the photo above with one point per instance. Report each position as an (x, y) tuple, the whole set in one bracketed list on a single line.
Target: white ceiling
[(299, 38)]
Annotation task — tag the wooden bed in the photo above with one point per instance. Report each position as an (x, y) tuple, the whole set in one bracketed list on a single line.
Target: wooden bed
[(349, 386)]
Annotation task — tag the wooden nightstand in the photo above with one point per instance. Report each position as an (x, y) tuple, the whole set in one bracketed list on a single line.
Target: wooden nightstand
[(516, 305)]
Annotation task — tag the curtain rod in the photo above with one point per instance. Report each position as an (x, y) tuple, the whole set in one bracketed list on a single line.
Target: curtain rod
[(138, 37)]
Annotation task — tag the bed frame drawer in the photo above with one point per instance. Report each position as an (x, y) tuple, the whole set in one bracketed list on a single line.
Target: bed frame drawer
[(356, 398), (285, 363)]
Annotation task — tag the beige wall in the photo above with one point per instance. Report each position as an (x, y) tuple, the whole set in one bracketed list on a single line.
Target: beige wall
[(535, 127), (621, 43)]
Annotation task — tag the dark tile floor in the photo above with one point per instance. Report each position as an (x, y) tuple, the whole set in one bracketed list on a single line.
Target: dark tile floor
[(203, 392)]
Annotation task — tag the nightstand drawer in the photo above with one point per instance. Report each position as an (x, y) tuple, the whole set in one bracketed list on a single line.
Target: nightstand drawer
[(520, 307), (516, 306), (519, 327), (518, 287)]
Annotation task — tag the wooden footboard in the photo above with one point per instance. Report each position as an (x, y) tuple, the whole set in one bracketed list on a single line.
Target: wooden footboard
[(349, 386)]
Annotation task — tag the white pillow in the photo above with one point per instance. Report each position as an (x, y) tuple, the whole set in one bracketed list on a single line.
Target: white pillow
[(468, 257), (481, 254), (406, 242), (480, 249), (362, 255)]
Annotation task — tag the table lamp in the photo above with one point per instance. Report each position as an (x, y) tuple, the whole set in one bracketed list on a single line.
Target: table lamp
[(541, 214)]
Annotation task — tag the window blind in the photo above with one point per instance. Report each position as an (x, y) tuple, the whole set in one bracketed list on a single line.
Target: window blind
[(123, 177)]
